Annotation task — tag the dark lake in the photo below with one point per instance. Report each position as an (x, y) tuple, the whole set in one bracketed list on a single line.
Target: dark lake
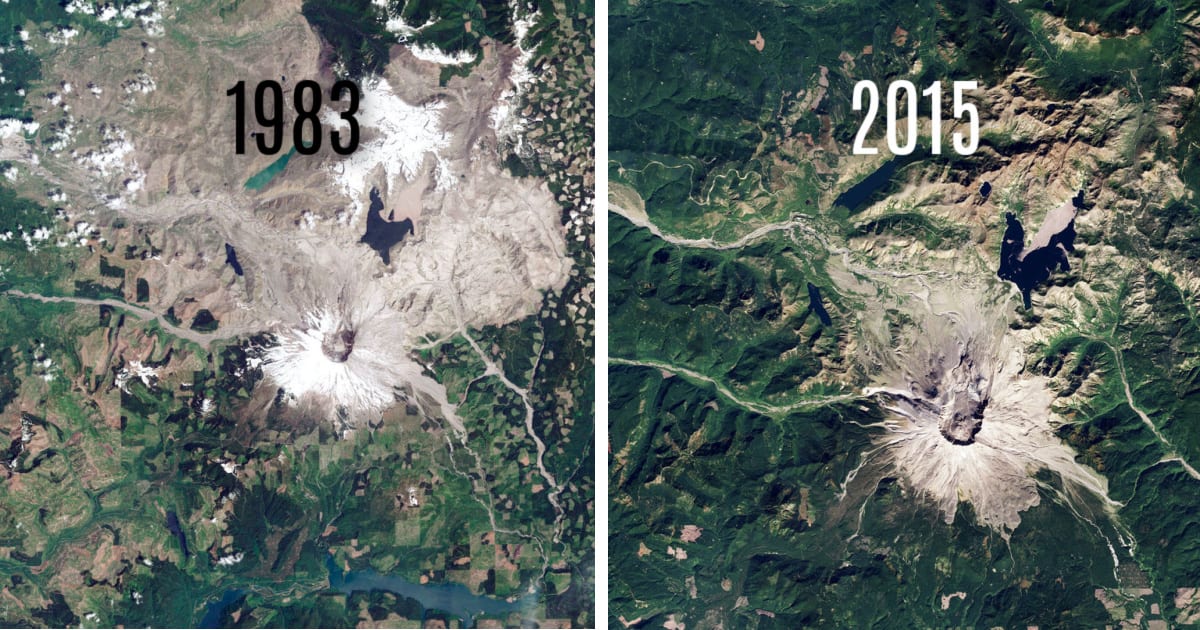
[(863, 192), (1038, 264), (232, 259), (383, 234), (175, 528), (817, 305)]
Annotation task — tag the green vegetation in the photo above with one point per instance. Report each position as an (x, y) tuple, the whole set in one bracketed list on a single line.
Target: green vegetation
[(741, 317), (1109, 432), (933, 232), (766, 493), (299, 493), (19, 217), (204, 321), (735, 412), (147, 478), (702, 120), (1185, 151), (697, 111), (20, 67), (355, 30), (457, 25)]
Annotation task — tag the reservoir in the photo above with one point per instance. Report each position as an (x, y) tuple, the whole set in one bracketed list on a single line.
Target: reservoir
[(212, 615), (455, 599)]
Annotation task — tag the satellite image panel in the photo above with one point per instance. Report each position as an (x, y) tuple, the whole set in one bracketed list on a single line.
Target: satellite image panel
[(296, 323), (904, 314)]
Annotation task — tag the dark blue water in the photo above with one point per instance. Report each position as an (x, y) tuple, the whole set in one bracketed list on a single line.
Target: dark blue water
[(175, 528), (815, 303), (383, 234), (231, 258), (455, 599), (212, 616), (862, 192), (1039, 263)]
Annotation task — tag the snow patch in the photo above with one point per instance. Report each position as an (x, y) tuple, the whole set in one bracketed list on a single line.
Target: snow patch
[(123, 15), (396, 24), (401, 136), (62, 35), (142, 83), (505, 121), (362, 382), (11, 126), (231, 559), (435, 55), (147, 375)]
